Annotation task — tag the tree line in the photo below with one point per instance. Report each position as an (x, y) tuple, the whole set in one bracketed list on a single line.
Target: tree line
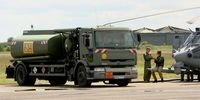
[(6, 46)]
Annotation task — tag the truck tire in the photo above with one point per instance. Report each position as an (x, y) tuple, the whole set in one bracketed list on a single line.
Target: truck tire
[(58, 81), (198, 77), (81, 77), (22, 76), (122, 83)]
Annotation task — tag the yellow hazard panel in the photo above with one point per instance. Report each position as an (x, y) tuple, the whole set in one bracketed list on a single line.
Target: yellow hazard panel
[(28, 47), (103, 56)]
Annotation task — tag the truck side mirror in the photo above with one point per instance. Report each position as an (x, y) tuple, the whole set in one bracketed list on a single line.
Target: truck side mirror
[(88, 41), (139, 37)]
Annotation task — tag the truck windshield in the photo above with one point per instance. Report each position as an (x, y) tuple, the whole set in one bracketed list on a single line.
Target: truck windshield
[(114, 39)]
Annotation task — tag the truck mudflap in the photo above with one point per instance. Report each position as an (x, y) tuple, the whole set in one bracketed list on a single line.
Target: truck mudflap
[(103, 73), (9, 72)]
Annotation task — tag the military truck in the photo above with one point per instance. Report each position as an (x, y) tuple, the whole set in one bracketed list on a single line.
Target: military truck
[(82, 55)]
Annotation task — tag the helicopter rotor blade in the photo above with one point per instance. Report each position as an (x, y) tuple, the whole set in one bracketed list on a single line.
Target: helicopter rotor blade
[(151, 15), (193, 20)]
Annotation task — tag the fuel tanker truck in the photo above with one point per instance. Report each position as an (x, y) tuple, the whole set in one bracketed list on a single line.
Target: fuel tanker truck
[(82, 55)]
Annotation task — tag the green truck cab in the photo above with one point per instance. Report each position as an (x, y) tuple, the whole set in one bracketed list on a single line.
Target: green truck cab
[(82, 55)]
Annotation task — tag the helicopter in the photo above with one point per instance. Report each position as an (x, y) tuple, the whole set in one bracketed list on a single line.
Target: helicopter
[(187, 56)]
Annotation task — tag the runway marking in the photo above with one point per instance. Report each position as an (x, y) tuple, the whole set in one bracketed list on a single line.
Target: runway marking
[(32, 90)]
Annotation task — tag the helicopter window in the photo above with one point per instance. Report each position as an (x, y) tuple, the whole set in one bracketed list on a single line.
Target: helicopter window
[(188, 40), (196, 40), (198, 33)]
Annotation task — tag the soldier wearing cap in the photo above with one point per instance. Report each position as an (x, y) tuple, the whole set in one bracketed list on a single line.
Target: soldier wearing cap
[(147, 65), (159, 66)]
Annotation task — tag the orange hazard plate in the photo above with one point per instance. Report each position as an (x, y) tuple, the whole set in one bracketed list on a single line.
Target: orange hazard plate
[(109, 75)]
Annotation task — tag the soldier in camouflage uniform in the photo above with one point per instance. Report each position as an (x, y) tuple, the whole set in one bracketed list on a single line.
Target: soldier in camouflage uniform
[(159, 67), (147, 64)]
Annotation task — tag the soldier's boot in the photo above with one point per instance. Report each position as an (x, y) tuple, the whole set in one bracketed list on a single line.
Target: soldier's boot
[(162, 80), (154, 76), (161, 76), (192, 77), (198, 77), (188, 77), (182, 76), (145, 77), (149, 76)]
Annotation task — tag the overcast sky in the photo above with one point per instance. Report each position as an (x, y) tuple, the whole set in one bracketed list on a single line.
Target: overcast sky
[(18, 15)]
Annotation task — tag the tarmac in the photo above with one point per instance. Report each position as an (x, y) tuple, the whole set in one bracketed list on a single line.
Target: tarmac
[(137, 90)]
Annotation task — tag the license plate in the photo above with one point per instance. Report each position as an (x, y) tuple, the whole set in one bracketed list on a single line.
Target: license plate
[(120, 77), (183, 70)]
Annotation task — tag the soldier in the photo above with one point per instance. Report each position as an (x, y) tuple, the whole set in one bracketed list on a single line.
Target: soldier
[(159, 66), (147, 64)]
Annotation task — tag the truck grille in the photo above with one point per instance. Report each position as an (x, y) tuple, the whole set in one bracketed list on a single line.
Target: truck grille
[(119, 73)]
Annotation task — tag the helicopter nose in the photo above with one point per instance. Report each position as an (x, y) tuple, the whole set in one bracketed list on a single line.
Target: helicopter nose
[(180, 56)]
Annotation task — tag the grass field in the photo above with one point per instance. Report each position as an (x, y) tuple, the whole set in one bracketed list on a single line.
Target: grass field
[(4, 60), (5, 56)]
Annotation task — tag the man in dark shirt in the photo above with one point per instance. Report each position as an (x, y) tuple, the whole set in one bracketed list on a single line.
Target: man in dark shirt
[(147, 64), (159, 66)]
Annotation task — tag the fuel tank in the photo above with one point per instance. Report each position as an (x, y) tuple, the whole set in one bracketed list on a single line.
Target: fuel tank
[(39, 45)]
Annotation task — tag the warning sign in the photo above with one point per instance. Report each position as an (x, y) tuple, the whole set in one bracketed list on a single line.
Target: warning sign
[(28, 47)]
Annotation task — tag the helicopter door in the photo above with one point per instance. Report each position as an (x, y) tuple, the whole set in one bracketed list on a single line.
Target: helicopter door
[(177, 41)]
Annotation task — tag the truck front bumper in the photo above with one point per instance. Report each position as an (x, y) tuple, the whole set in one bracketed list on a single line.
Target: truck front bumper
[(109, 73)]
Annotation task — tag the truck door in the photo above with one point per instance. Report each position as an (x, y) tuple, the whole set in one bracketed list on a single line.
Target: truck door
[(136, 38), (87, 46)]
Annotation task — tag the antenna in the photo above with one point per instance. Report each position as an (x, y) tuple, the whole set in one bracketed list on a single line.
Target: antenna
[(151, 15), (32, 27)]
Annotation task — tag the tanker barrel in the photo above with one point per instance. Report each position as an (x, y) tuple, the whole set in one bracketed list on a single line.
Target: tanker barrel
[(51, 45)]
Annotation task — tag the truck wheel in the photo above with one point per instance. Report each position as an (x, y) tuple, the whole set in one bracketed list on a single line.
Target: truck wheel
[(198, 77), (22, 76), (82, 77), (58, 81), (122, 82)]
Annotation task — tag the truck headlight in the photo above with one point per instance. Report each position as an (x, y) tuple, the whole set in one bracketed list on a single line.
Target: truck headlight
[(99, 69)]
